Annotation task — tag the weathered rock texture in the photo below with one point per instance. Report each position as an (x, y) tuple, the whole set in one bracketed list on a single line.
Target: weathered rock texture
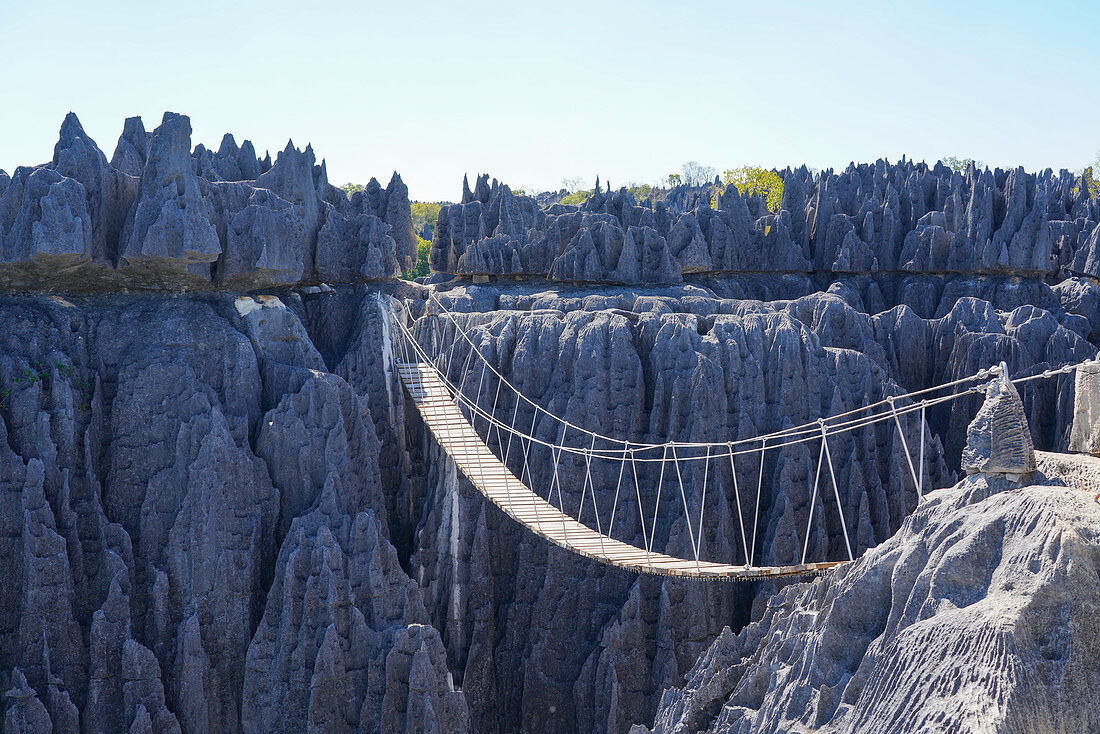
[(220, 514), (879, 218), (1001, 576), (998, 441), (979, 615), (161, 215), (1085, 432), (194, 529)]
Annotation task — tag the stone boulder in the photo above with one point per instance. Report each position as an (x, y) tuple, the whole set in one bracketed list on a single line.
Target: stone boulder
[(355, 249), (998, 440), (930, 631)]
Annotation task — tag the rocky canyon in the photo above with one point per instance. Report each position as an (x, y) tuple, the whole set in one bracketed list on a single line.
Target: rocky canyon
[(222, 513)]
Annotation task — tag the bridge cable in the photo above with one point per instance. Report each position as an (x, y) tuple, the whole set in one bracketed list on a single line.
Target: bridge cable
[(825, 426), (905, 445), (807, 428), (638, 493), (920, 484), (759, 486), (687, 515), (702, 501), (615, 502), (833, 429), (737, 496), (813, 497), (836, 492), (657, 502)]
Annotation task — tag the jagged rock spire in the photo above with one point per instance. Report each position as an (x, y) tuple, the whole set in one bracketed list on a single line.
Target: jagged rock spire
[(132, 149), (467, 195), (1084, 436), (998, 440)]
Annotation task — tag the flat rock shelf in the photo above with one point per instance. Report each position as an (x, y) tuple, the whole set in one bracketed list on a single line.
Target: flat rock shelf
[(494, 480)]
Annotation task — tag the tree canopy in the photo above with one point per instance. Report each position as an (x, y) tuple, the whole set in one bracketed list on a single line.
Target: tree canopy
[(756, 181), (959, 165), (423, 249), (696, 174)]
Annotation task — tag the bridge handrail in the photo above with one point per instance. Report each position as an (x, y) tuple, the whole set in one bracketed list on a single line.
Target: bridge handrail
[(807, 432)]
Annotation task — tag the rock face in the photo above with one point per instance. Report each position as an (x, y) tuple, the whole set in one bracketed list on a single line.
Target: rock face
[(980, 614), (998, 441), (172, 223), (220, 513), (371, 588), (1085, 432), (879, 218), (161, 215), (184, 480), (982, 567), (610, 239)]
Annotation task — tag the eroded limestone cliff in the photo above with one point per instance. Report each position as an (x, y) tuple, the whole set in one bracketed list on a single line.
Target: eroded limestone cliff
[(220, 513)]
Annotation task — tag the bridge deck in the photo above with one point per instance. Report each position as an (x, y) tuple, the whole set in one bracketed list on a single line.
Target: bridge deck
[(494, 480)]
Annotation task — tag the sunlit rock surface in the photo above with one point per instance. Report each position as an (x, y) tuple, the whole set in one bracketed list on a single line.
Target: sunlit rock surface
[(979, 615), (221, 514), (998, 440), (163, 216)]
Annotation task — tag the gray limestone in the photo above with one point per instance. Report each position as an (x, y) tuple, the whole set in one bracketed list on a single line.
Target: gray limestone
[(1085, 432), (132, 149), (162, 216), (867, 219), (221, 514), (172, 224), (998, 441), (979, 615), (372, 589)]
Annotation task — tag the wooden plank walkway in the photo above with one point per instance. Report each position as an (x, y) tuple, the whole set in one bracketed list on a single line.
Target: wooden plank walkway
[(494, 480)]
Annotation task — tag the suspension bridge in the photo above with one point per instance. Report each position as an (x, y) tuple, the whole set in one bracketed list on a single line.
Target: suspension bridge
[(439, 379)]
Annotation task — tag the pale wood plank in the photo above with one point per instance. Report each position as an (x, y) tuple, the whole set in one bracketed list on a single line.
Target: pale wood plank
[(458, 438)]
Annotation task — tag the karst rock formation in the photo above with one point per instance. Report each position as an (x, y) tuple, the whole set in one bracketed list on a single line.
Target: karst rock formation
[(978, 615), (220, 513)]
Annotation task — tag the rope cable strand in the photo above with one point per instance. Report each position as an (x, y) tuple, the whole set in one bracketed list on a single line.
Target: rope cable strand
[(474, 408), (810, 427), (798, 434), (431, 386)]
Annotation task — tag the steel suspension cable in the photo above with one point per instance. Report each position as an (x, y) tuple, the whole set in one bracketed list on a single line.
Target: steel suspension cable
[(833, 429), (797, 430), (687, 515), (615, 502), (836, 492), (737, 498), (759, 486), (703, 499), (813, 497)]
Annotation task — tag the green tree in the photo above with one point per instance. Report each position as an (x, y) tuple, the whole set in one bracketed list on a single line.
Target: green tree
[(674, 180), (576, 198), (351, 188), (1089, 182), (423, 250), (756, 181), (425, 212), (959, 165)]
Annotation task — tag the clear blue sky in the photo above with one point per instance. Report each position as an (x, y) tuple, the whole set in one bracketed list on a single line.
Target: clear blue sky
[(536, 93)]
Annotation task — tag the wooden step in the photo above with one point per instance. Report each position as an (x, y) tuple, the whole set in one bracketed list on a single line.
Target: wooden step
[(499, 485)]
